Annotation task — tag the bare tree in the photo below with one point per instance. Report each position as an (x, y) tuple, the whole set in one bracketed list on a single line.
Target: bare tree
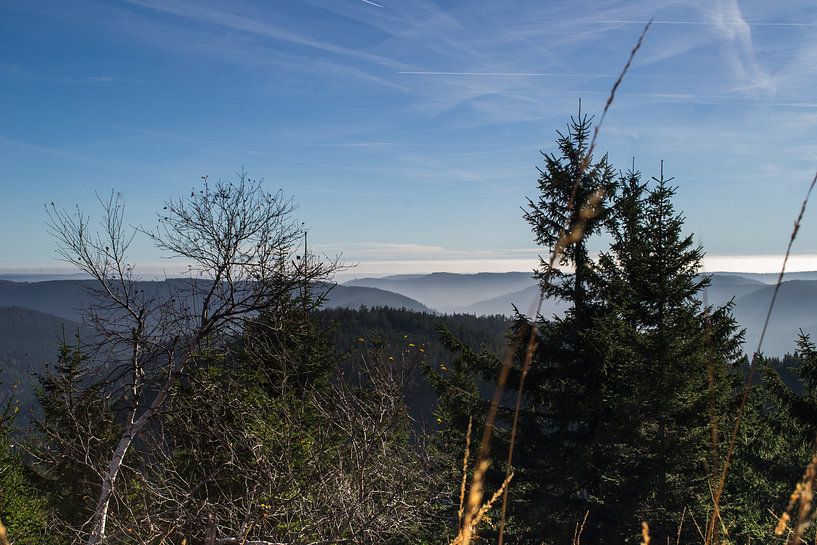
[(239, 243)]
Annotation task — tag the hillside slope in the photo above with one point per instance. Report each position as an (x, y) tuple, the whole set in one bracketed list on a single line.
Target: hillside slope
[(29, 339), (448, 291), (354, 297)]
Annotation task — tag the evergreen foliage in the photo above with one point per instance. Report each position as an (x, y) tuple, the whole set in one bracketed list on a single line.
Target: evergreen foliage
[(626, 388), (24, 511), (670, 369), (777, 442), (71, 435)]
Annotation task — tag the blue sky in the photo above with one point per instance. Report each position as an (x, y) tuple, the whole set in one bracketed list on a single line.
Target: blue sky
[(407, 131)]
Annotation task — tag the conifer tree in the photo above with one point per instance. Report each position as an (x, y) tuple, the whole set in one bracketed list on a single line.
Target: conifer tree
[(71, 434), (797, 408), (776, 443), (567, 182), (558, 430), (555, 479), (23, 509), (669, 363), (459, 404)]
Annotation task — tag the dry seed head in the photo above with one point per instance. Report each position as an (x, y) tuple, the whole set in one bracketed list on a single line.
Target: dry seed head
[(466, 533), (782, 524), (461, 510), (475, 496), (484, 509), (645, 533), (802, 496)]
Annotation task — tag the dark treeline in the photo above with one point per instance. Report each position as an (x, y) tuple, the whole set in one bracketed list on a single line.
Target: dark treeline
[(419, 336), (398, 327), (258, 417)]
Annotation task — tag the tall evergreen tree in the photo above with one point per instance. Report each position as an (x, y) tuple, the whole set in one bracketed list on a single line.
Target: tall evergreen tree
[(670, 367), (619, 404), (563, 415), (555, 479), (567, 182)]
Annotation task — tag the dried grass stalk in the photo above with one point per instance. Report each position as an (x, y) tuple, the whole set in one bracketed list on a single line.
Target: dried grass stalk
[(461, 510), (802, 498)]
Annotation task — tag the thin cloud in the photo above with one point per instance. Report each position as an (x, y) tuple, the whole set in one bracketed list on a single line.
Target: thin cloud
[(728, 18), (153, 133), (245, 24)]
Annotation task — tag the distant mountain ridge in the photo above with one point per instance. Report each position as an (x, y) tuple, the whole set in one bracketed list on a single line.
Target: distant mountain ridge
[(482, 294), (771, 278), (354, 297), (68, 298), (33, 315), (524, 300), (794, 310), (43, 277), (488, 294), (447, 292)]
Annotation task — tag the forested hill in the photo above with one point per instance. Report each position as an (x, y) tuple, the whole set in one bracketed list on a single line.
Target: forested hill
[(29, 339), (415, 335), (397, 328), (481, 294), (68, 298), (339, 296)]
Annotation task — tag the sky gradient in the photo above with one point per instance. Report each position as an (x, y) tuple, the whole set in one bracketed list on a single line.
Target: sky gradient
[(407, 131)]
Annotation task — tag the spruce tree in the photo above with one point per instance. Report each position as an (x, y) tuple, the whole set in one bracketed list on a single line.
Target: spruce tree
[(563, 415), (71, 434), (555, 480), (567, 182), (796, 403), (670, 368)]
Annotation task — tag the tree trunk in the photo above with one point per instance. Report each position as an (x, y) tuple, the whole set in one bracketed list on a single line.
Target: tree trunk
[(100, 518), (106, 492)]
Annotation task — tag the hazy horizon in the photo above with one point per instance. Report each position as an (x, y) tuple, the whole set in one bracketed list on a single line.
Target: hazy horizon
[(750, 264)]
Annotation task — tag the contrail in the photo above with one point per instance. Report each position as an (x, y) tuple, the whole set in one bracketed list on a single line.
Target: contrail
[(702, 23), (543, 75), (372, 3)]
